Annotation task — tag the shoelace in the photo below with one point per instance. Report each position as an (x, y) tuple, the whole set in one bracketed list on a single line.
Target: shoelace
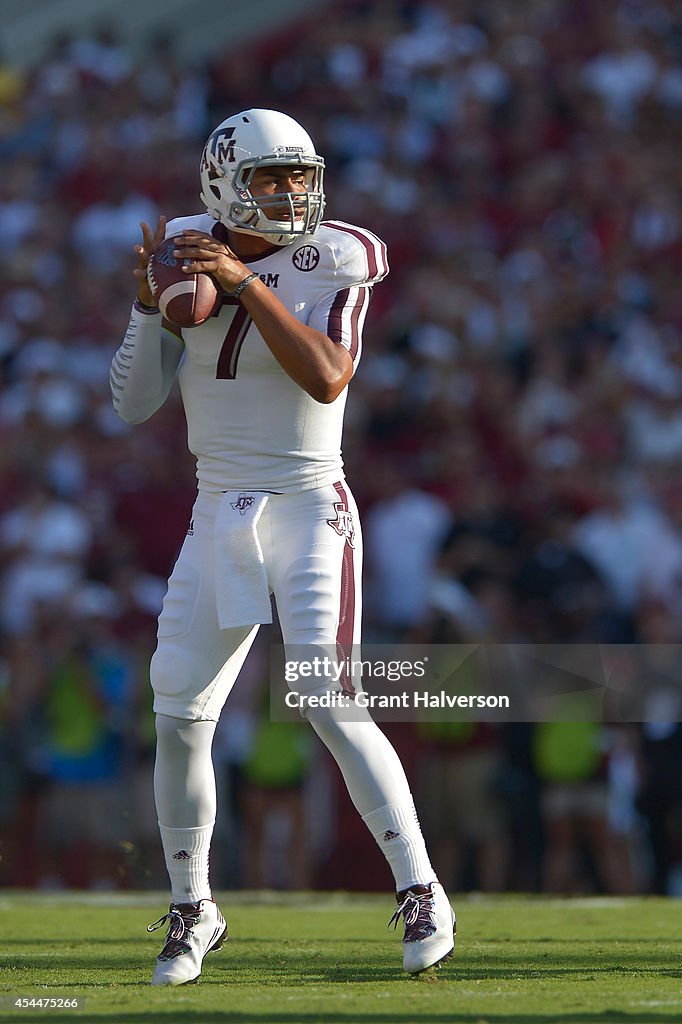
[(180, 925), (416, 909)]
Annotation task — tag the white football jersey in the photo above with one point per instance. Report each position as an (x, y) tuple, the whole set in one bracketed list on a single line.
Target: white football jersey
[(249, 424)]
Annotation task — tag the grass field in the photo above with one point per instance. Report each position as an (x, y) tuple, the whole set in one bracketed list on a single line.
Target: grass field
[(328, 958)]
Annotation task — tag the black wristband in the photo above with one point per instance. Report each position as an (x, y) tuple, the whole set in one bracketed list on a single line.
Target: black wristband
[(242, 285)]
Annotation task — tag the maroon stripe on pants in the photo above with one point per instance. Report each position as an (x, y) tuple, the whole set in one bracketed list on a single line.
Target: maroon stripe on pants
[(344, 632)]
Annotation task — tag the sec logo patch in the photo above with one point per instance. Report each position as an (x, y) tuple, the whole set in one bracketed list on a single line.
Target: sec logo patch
[(306, 258)]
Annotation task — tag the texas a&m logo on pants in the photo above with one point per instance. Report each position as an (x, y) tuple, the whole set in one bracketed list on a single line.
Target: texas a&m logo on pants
[(243, 502), (343, 524)]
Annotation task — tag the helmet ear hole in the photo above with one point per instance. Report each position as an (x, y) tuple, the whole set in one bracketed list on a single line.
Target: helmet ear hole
[(216, 191)]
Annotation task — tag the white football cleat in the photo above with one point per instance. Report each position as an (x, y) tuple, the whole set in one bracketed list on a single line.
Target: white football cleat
[(430, 926), (194, 930)]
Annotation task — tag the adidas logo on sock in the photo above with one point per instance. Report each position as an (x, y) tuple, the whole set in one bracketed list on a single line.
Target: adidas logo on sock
[(388, 835), (182, 855)]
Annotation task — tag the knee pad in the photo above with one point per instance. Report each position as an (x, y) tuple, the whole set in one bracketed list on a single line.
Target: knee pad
[(179, 678)]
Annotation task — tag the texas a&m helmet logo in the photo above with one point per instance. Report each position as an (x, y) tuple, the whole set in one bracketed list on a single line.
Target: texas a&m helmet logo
[(343, 524), (243, 502), (220, 146), (306, 258)]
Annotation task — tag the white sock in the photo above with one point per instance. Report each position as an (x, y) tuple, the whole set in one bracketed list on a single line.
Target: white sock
[(399, 837), (186, 852)]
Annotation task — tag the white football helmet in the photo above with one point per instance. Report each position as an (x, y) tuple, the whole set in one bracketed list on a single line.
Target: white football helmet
[(235, 150)]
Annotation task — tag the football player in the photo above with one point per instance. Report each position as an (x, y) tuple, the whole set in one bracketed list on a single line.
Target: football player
[(264, 383)]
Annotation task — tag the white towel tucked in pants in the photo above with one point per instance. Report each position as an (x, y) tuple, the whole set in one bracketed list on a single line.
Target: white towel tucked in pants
[(242, 592)]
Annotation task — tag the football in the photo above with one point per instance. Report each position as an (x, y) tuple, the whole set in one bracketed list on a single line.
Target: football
[(186, 300)]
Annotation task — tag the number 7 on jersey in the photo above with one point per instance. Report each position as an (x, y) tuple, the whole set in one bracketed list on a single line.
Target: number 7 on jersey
[(232, 344)]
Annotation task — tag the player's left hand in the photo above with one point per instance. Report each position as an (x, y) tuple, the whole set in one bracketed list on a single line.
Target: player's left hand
[(207, 255)]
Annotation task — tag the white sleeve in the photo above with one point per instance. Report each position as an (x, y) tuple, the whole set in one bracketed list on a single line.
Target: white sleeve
[(360, 262), (361, 256), (144, 367), (341, 316)]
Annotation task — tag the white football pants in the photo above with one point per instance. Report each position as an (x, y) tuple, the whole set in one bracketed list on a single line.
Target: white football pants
[(312, 552)]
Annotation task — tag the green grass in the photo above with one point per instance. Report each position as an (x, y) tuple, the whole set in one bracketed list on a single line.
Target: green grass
[(328, 958)]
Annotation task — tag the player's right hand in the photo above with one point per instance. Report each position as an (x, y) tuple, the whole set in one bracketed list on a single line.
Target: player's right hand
[(150, 242)]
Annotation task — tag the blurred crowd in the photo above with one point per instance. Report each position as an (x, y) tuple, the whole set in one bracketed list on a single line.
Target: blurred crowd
[(513, 435)]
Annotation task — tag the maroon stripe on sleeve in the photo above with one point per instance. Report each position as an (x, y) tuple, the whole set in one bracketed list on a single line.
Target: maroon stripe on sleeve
[(340, 306), (346, 628), (382, 260), (354, 321), (335, 318)]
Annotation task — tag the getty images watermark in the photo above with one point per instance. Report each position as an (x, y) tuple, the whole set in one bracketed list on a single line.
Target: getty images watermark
[(333, 676), (480, 682)]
